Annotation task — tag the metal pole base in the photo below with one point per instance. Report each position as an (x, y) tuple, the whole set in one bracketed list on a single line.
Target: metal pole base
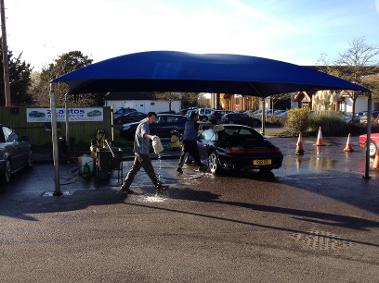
[(57, 194), (366, 178)]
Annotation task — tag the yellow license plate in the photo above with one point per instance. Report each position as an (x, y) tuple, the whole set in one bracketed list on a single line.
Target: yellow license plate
[(260, 162)]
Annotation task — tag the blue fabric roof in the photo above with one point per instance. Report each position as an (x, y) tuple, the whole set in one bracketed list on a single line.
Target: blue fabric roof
[(178, 71)]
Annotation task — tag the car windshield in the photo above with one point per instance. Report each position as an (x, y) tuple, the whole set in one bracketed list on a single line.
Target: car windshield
[(238, 136), (161, 120), (241, 131)]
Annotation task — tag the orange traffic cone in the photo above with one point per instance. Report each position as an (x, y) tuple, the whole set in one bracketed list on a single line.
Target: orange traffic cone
[(320, 139), (376, 161), (299, 145), (349, 146)]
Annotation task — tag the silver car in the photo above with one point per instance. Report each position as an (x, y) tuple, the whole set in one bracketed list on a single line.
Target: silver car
[(15, 153)]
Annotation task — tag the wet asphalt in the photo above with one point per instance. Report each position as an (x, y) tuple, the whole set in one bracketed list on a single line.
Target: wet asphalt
[(314, 219)]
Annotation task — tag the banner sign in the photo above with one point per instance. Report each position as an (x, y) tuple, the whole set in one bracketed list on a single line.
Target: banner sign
[(85, 114)]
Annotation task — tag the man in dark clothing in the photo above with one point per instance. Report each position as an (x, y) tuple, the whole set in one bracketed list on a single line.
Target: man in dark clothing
[(190, 142), (141, 151)]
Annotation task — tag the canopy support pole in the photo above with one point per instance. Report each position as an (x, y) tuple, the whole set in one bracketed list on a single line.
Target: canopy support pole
[(112, 123), (369, 113), (54, 138), (66, 119), (218, 106), (263, 116)]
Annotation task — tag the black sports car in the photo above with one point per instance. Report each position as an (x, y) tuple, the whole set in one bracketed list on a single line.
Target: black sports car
[(236, 147), (15, 153)]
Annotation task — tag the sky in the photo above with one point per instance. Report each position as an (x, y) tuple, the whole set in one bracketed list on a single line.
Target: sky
[(296, 31)]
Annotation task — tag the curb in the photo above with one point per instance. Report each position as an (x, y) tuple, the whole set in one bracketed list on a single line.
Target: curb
[(125, 158)]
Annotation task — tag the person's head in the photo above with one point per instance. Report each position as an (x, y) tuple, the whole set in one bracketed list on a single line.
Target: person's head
[(194, 115), (151, 117), (100, 133)]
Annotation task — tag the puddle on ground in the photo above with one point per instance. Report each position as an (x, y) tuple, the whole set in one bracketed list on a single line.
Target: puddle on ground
[(159, 167), (51, 194), (153, 198), (197, 176)]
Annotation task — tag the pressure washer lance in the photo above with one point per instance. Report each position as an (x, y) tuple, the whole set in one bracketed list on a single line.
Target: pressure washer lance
[(110, 148)]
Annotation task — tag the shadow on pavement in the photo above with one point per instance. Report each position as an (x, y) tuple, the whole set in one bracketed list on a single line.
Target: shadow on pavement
[(253, 175), (247, 223), (305, 215), (335, 220), (21, 207), (82, 199)]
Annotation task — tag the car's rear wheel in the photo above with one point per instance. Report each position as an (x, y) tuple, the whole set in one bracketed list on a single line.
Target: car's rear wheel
[(213, 163), (373, 148)]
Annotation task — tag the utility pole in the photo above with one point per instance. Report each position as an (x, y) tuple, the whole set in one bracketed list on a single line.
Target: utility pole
[(7, 90)]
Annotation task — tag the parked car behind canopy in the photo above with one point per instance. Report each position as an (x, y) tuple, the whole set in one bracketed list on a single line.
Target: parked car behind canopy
[(162, 128), (203, 113), (130, 117), (15, 153), (216, 115), (240, 119), (122, 111), (374, 117), (374, 144)]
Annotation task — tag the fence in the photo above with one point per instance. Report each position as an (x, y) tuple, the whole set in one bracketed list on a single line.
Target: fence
[(39, 134)]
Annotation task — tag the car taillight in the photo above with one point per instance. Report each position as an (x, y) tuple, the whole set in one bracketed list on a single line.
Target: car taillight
[(235, 151)]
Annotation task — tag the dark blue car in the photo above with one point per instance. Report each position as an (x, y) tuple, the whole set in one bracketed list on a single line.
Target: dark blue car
[(165, 124)]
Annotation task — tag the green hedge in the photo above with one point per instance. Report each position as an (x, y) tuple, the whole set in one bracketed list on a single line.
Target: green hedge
[(332, 123), (297, 120), (308, 122)]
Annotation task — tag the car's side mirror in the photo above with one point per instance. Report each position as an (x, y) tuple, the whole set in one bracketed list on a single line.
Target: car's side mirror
[(24, 138)]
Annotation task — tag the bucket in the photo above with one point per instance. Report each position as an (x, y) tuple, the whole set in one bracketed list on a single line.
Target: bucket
[(157, 145), (83, 160)]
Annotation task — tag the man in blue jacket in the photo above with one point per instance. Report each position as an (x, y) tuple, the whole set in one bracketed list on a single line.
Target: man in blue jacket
[(190, 142)]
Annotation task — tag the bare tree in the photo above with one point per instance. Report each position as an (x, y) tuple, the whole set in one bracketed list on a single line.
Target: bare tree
[(359, 60), (276, 98), (169, 96)]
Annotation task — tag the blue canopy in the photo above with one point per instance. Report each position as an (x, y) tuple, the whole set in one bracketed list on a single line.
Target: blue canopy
[(178, 71)]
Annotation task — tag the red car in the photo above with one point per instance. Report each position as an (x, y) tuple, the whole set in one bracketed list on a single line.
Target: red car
[(374, 144)]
